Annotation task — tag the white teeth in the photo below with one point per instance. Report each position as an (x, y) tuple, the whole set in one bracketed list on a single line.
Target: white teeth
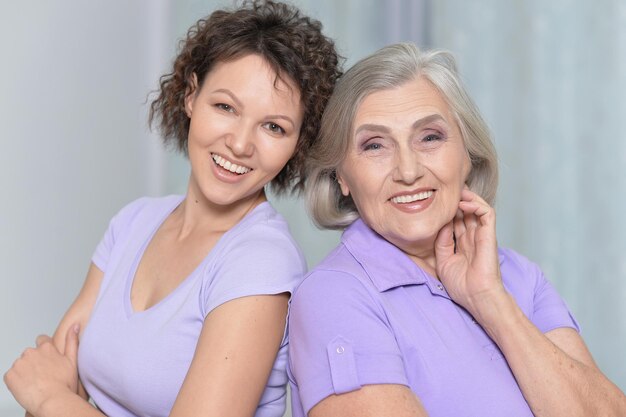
[(229, 166), (411, 198)]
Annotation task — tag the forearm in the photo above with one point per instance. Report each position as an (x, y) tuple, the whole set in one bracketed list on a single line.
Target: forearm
[(67, 404), (553, 383)]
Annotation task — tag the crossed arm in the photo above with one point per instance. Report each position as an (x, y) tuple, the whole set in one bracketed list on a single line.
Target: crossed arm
[(554, 371), (238, 342)]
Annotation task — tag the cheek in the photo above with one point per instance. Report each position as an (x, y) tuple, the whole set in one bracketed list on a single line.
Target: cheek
[(467, 168), (367, 199), (462, 167), (275, 154)]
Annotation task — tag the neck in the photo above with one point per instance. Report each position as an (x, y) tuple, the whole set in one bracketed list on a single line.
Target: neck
[(427, 263), (423, 254), (198, 213)]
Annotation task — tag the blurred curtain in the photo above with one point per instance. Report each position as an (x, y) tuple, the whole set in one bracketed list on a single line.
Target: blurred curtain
[(550, 78)]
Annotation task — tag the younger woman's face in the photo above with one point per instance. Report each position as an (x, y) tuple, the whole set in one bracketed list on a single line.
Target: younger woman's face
[(244, 127)]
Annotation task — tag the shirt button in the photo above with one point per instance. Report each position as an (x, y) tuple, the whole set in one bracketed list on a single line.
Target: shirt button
[(340, 350), (440, 287)]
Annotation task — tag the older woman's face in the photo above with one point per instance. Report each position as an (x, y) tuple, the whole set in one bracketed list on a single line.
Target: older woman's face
[(406, 165)]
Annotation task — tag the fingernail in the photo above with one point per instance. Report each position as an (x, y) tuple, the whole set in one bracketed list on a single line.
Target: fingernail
[(76, 328)]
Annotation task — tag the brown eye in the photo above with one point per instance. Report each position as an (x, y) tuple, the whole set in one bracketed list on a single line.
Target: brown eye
[(274, 128), (225, 107)]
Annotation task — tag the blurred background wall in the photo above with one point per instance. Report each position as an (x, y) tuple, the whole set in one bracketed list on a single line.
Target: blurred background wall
[(549, 77)]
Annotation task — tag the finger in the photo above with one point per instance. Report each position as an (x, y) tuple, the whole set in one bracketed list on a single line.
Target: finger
[(41, 339), (486, 232), (469, 195), (26, 352), (458, 225), (483, 211), (71, 343), (470, 220), (471, 224), (444, 244)]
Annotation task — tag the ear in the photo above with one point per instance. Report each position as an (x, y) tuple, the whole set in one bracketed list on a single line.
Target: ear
[(345, 190), (190, 94)]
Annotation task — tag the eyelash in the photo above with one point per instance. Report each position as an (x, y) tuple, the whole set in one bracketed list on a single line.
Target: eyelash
[(225, 107), (431, 137), (275, 128), (373, 146), (272, 127)]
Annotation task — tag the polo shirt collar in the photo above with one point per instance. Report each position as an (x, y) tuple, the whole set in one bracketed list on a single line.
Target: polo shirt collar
[(387, 265)]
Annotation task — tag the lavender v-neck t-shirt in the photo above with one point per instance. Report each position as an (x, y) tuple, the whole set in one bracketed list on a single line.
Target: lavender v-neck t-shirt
[(133, 363), (369, 315)]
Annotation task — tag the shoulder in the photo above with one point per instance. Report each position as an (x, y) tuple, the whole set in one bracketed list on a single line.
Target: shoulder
[(339, 283), (513, 259), (256, 257), (516, 268), (535, 295), (262, 236), (146, 207)]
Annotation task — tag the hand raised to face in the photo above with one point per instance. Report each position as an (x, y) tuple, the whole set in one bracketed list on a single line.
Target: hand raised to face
[(466, 254)]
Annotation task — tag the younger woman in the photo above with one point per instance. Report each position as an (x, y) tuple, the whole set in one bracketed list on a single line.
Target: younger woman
[(184, 306)]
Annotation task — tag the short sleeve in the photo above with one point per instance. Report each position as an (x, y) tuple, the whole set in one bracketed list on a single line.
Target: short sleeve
[(339, 339), (550, 311), (118, 225), (260, 260)]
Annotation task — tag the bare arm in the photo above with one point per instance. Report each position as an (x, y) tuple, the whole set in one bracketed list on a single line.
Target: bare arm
[(45, 381), (77, 314), (555, 371), (233, 359), (388, 400), (80, 310)]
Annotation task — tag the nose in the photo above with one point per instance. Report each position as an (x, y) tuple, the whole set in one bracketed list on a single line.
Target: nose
[(409, 167), (241, 141)]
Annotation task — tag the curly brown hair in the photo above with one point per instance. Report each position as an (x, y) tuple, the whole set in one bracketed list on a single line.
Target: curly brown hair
[(292, 44)]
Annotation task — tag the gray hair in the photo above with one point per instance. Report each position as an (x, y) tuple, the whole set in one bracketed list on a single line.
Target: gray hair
[(391, 67)]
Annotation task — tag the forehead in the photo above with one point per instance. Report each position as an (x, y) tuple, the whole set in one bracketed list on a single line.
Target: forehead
[(416, 98), (254, 72)]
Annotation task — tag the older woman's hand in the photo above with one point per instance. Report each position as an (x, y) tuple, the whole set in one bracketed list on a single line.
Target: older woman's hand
[(470, 269), (43, 372)]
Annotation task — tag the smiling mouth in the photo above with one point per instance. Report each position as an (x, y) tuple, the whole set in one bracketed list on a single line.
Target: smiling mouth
[(229, 166), (411, 198)]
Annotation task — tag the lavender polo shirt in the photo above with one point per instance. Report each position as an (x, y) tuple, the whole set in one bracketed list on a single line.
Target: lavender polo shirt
[(133, 363), (369, 315)]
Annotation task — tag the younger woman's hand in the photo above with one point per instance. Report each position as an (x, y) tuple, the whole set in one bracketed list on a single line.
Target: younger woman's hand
[(43, 372), (469, 269)]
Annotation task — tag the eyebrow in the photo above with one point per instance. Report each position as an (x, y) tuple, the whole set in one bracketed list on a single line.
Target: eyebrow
[(240, 104), (230, 94), (384, 129), (282, 117)]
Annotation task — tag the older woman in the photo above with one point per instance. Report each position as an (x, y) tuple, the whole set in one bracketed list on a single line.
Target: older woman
[(418, 312)]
